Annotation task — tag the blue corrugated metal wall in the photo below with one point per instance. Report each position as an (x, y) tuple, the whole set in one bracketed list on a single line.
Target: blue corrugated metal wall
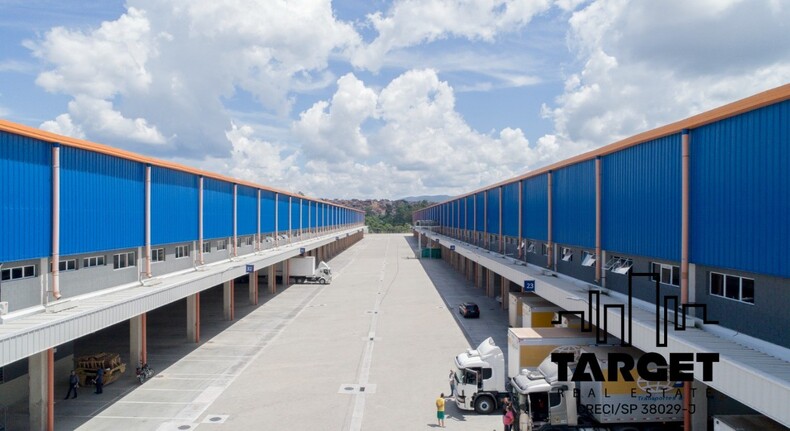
[(246, 210), (573, 204), (321, 214), (282, 213), (267, 211), (316, 213), (26, 207), (470, 212), (102, 201), (641, 199), (740, 192), (174, 206), (492, 221), (480, 203), (295, 214), (535, 207), (217, 208), (305, 214), (510, 209)]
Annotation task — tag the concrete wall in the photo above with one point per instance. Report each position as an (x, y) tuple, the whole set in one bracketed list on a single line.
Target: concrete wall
[(25, 292), (766, 319), (86, 280), (574, 267), (171, 264)]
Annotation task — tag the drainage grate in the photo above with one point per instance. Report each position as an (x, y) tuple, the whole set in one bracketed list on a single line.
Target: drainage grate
[(185, 427), (215, 419), (352, 389)]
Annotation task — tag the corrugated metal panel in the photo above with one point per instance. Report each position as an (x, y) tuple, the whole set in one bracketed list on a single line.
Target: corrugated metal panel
[(295, 217), (282, 213), (480, 202), (174, 206), (267, 211), (102, 200), (740, 192), (470, 212), (492, 216), (246, 210), (510, 209), (641, 199), (573, 204), (305, 213), (217, 208), (25, 210), (535, 208), (321, 214)]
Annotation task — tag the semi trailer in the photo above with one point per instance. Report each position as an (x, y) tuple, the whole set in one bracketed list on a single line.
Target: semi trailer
[(303, 269)]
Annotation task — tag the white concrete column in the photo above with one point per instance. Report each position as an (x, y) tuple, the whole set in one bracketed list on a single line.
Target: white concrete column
[(490, 284), (137, 340), (193, 317), (272, 279), (41, 389), (286, 274), (227, 299)]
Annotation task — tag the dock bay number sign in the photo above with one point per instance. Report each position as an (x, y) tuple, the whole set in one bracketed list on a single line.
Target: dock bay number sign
[(529, 286)]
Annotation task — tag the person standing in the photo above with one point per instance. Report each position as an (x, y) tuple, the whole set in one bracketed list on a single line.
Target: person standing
[(74, 383), (508, 418), (99, 380), (452, 383), (440, 410)]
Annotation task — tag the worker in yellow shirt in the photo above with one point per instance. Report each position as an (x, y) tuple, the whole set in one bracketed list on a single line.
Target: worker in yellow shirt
[(440, 410)]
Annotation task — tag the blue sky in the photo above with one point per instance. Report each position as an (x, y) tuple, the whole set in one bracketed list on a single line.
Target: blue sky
[(379, 99)]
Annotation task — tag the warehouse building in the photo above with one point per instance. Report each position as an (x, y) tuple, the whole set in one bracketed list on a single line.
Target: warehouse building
[(93, 236), (703, 203)]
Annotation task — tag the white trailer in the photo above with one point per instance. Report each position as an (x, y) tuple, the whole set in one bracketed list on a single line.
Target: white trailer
[(527, 347), (546, 402), (303, 269)]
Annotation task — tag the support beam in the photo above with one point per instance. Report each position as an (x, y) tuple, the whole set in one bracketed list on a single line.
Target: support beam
[(272, 279), (254, 288), (41, 385), (286, 274), (503, 290), (490, 283), (228, 299), (193, 318), (137, 340)]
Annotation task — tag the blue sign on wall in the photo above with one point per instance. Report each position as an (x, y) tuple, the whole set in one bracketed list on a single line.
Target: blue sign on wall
[(250, 269), (529, 285), (301, 250), (452, 247)]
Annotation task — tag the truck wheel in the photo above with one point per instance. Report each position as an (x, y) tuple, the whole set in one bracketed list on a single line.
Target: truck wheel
[(484, 405), (321, 281)]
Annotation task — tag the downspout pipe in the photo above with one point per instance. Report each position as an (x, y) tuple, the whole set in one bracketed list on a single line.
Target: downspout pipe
[(258, 234), (550, 245), (148, 221), (200, 219), (684, 255), (598, 264), (235, 219), (56, 221)]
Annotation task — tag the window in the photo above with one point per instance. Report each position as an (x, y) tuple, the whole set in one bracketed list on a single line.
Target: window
[(207, 247), (88, 262), (123, 260), (732, 287), (668, 274), (182, 251), (249, 240), (222, 244), (545, 249), (531, 247), (567, 254), (588, 258), (618, 265), (18, 273), (158, 255), (67, 265), (239, 241)]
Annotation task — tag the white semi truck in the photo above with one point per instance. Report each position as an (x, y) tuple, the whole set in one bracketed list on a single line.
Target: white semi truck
[(303, 269), (545, 402)]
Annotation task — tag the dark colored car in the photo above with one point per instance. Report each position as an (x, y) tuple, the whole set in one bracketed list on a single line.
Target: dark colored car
[(469, 309)]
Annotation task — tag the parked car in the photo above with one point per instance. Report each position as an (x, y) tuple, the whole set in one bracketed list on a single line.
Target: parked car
[(469, 309)]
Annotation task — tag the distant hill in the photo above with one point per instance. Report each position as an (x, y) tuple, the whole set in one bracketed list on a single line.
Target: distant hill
[(384, 215), (429, 198)]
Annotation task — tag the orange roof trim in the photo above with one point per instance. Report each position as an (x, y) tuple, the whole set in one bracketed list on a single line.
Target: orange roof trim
[(759, 100), (20, 129)]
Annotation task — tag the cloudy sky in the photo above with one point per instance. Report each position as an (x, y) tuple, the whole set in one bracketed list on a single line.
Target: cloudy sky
[(373, 98)]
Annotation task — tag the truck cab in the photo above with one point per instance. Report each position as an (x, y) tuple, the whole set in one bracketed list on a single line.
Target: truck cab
[(544, 400), (480, 378)]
